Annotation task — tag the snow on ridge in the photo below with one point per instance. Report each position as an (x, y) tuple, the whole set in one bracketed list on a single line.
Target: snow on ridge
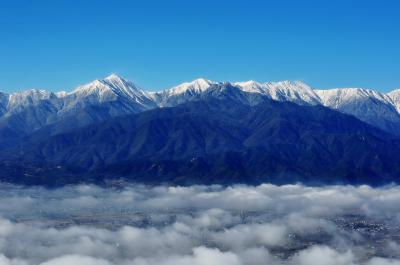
[(197, 86), (110, 88), (337, 96), (113, 87), (295, 91), (395, 96), (28, 97), (250, 86)]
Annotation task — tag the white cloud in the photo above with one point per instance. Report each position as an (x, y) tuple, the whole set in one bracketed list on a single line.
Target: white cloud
[(139, 225), (200, 256), (323, 255), (75, 259), (252, 235)]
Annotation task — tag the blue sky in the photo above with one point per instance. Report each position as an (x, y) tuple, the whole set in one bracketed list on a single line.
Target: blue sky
[(59, 44)]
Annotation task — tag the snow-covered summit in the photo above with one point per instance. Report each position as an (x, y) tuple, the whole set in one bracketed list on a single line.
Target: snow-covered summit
[(112, 88), (196, 86), (368, 105), (97, 89), (294, 91), (395, 97), (27, 98), (251, 86), (114, 77), (338, 96)]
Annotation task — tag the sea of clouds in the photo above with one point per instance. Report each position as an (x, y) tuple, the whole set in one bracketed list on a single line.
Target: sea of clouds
[(139, 225)]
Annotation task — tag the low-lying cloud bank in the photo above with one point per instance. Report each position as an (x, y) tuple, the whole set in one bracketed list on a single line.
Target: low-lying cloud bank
[(138, 225)]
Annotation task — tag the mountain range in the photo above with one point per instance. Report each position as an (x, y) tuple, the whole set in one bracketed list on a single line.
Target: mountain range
[(200, 132), (22, 113)]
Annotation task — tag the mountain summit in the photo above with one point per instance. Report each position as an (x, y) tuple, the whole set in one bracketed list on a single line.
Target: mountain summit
[(196, 86)]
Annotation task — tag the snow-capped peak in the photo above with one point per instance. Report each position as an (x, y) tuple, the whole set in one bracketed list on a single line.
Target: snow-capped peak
[(97, 88), (109, 88), (395, 97), (250, 86), (196, 86), (31, 94), (114, 77), (289, 85), (295, 91), (27, 97), (118, 82), (337, 96)]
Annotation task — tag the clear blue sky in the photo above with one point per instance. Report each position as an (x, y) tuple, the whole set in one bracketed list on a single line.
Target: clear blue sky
[(59, 44)]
